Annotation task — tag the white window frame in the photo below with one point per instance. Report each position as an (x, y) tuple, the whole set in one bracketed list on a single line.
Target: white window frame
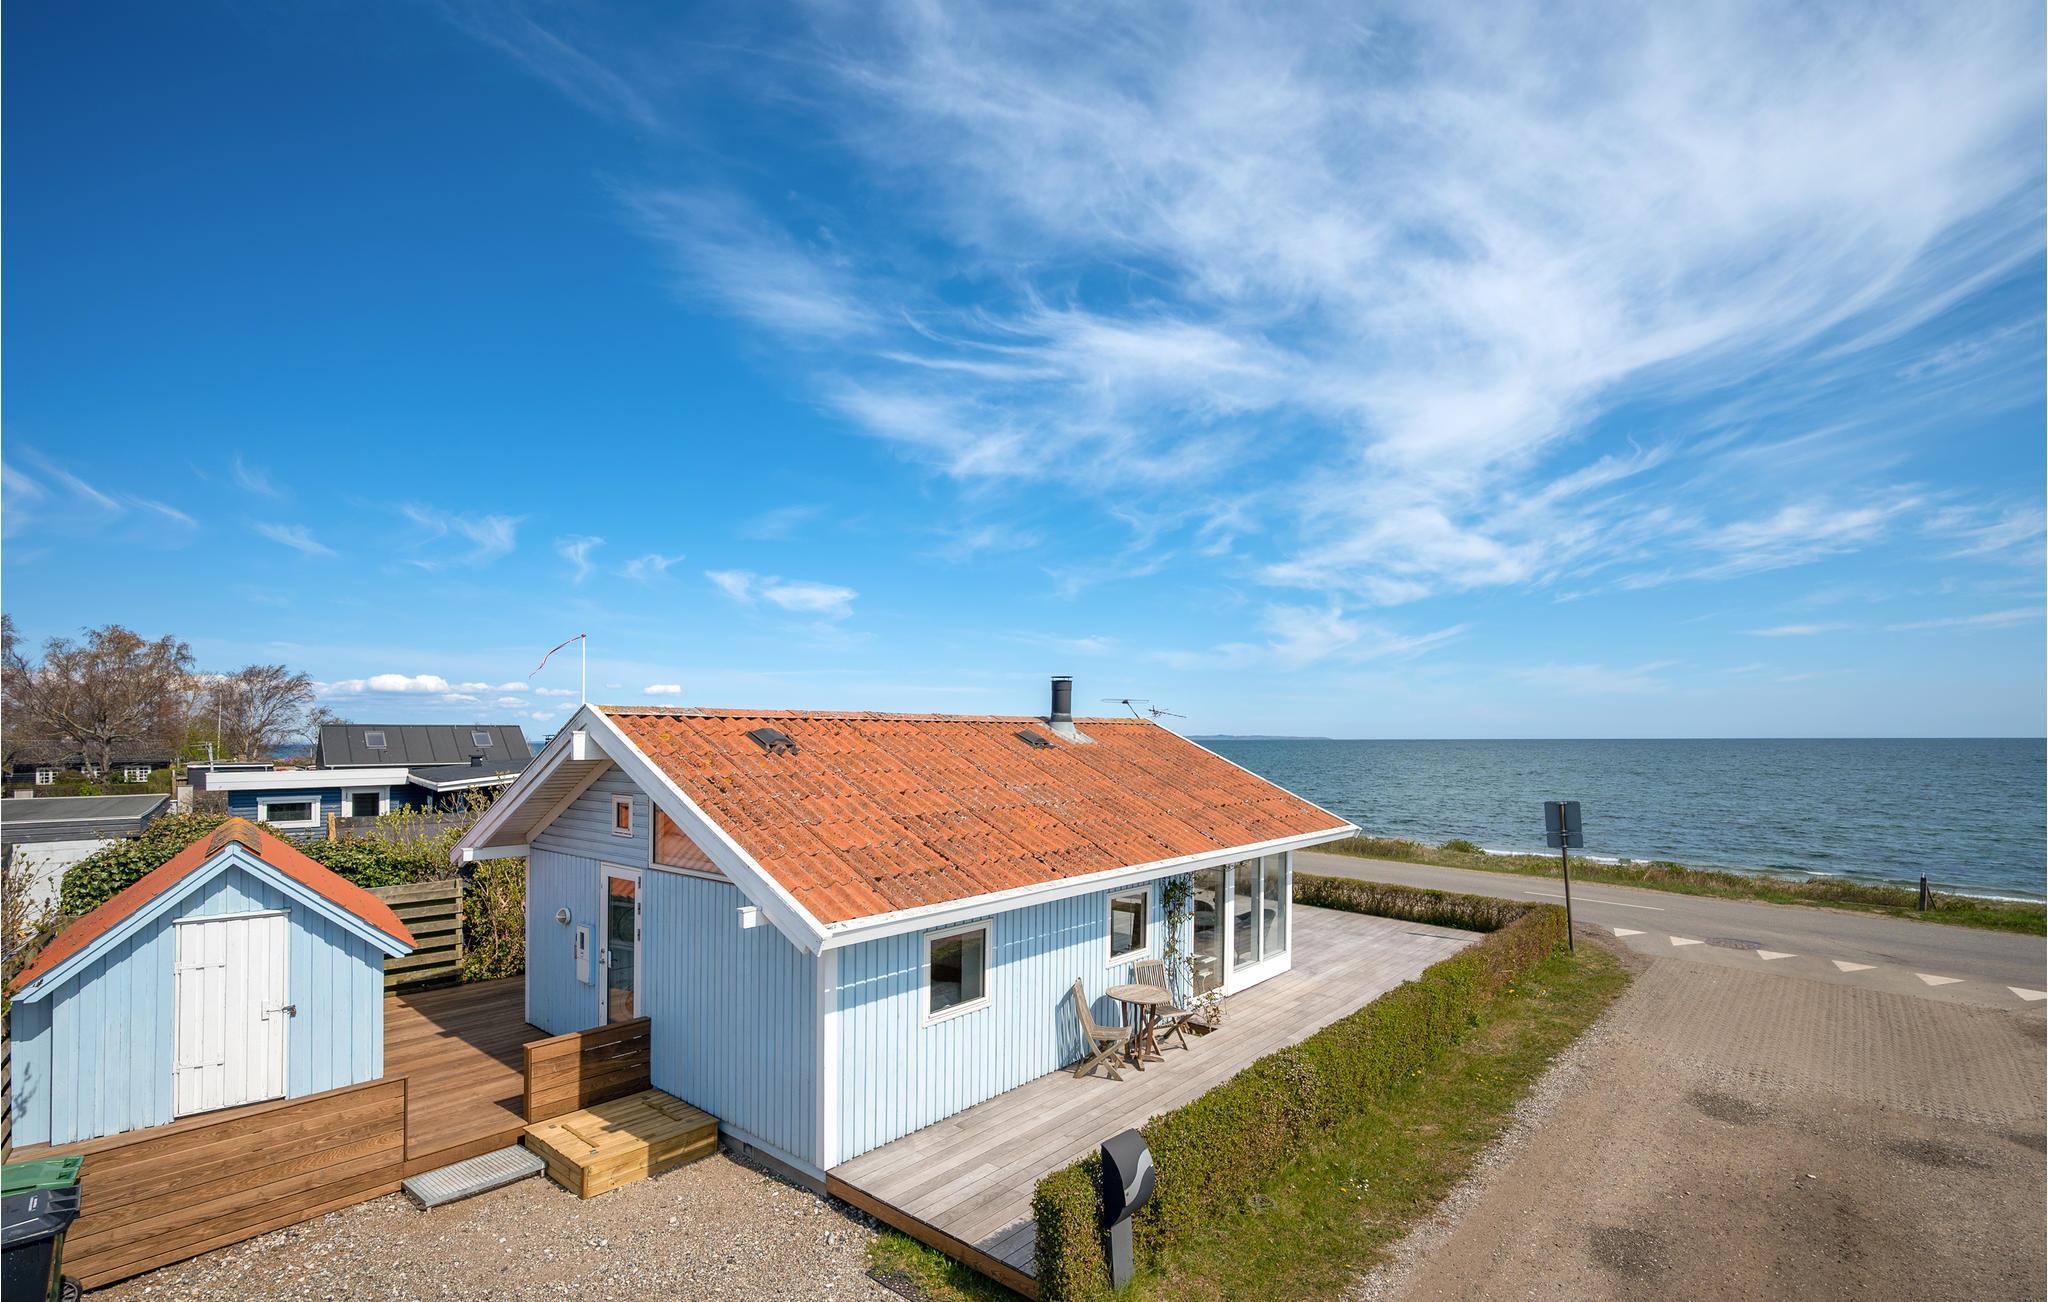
[(348, 800), (310, 799), (617, 802), (45, 776), (382, 743), (1109, 926), (478, 737), (135, 773), (987, 928)]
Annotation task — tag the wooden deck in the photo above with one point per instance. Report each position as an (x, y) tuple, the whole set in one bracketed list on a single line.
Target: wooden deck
[(460, 1050), (964, 1185)]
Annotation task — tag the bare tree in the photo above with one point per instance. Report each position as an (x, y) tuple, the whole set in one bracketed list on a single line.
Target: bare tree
[(317, 718), (255, 709), (112, 689)]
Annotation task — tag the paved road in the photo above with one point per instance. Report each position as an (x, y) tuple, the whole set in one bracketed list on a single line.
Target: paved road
[(1730, 1133), (1926, 960)]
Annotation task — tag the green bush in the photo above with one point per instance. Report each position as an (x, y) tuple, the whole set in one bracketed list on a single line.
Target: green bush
[(1459, 845), (1219, 1150), (116, 866)]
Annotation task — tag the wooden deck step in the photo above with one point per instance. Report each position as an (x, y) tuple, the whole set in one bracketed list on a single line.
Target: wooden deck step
[(612, 1144), (466, 1179)]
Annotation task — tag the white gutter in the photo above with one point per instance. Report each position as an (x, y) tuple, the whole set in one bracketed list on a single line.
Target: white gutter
[(978, 906), (291, 779), (535, 773)]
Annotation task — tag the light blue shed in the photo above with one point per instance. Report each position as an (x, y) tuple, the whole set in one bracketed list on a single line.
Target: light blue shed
[(239, 971)]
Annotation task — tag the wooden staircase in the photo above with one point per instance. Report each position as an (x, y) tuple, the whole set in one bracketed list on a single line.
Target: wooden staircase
[(598, 1148)]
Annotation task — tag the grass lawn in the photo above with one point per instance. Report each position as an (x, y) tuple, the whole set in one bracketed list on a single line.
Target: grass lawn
[(1829, 892), (1328, 1214)]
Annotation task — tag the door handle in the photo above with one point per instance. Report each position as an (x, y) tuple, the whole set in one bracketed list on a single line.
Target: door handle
[(289, 1010)]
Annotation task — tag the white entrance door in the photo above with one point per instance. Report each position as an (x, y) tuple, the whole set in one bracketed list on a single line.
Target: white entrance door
[(232, 1015)]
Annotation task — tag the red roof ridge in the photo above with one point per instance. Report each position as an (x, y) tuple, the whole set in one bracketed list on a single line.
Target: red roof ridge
[(272, 850), (888, 716)]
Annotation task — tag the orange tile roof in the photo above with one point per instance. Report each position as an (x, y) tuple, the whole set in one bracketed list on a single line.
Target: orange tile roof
[(273, 850), (877, 813)]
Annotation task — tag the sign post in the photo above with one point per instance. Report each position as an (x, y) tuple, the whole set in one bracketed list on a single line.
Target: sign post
[(1561, 828)]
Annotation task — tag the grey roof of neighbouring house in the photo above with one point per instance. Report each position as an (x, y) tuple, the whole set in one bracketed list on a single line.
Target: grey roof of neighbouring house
[(76, 818), (409, 745)]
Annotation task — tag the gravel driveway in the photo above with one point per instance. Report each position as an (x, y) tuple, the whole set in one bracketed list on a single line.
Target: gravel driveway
[(719, 1228)]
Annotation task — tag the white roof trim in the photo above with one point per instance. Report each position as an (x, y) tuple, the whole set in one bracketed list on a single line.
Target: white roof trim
[(877, 926), (782, 909), (543, 766), (292, 779)]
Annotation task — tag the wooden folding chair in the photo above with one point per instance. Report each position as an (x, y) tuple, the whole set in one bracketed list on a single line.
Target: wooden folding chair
[(1104, 1042), (1171, 1021)]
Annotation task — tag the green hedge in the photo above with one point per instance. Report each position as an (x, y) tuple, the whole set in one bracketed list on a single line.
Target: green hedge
[(1219, 1150)]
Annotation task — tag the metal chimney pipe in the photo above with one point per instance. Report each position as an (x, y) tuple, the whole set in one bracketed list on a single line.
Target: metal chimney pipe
[(1062, 699)]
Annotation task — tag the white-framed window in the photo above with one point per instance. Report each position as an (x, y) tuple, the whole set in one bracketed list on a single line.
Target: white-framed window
[(1130, 925), (956, 970), (288, 811), (45, 777), (480, 739), (622, 815), (366, 802), (135, 773), (373, 740), (92, 771)]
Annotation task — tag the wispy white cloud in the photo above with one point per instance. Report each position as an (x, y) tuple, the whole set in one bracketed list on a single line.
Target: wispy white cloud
[(1797, 630), (652, 566), (253, 479), (1596, 679), (662, 689), (1988, 619), (782, 522), (797, 596), (1301, 636), (576, 549), (489, 537), (493, 687), (552, 691), (298, 537)]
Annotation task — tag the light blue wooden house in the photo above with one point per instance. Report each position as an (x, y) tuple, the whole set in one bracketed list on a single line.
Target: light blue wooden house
[(237, 972), (844, 927)]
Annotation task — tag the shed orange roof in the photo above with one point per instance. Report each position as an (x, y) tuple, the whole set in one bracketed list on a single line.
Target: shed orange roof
[(877, 813), (273, 850)]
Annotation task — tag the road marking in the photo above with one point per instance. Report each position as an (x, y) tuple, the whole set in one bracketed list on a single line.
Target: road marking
[(1846, 966), (1587, 899), (1768, 954), (2029, 995), (1937, 981), (1680, 940), (1625, 931)]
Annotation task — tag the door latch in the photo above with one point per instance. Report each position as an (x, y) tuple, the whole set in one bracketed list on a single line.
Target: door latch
[(289, 1010)]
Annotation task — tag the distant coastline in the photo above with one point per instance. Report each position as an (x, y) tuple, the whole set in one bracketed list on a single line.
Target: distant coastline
[(1251, 736)]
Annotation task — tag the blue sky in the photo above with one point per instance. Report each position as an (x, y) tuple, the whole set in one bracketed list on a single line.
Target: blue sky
[(1328, 370)]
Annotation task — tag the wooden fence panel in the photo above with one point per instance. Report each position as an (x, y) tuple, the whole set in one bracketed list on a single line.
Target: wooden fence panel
[(584, 1068), (161, 1195), (432, 911)]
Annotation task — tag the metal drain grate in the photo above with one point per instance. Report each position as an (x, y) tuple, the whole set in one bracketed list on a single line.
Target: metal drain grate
[(1729, 942)]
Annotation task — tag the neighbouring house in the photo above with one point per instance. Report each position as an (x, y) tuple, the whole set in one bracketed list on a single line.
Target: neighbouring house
[(45, 763), (368, 770), (237, 972), (844, 927), (42, 836)]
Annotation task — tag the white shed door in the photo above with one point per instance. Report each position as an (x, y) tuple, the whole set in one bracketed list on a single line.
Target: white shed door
[(232, 1016)]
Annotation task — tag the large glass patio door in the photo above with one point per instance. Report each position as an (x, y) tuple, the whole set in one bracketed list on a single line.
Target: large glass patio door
[(1257, 906), (1205, 957)]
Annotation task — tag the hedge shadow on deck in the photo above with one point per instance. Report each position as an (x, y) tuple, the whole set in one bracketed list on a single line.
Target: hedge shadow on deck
[(1218, 1151)]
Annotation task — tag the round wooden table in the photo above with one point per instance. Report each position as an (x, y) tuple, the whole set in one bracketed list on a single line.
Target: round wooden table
[(1141, 1004)]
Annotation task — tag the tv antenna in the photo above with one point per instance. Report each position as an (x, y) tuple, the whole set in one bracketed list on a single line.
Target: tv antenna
[(1132, 703)]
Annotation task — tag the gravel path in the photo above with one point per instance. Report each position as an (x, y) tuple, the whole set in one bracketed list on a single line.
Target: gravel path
[(1726, 1134), (719, 1228)]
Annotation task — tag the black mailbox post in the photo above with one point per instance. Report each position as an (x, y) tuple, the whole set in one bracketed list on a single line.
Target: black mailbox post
[(1127, 1178)]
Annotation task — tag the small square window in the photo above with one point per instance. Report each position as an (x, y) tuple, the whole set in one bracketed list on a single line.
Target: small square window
[(956, 971), (136, 773), (365, 804), (622, 815), (1128, 918), (45, 777), (480, 738), (286, 813), (373, 741)]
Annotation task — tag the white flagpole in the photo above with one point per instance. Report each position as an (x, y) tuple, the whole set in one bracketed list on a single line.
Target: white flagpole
[(583, 688)]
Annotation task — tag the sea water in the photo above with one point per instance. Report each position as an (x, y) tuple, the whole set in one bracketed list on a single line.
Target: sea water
[(1968, 813)]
